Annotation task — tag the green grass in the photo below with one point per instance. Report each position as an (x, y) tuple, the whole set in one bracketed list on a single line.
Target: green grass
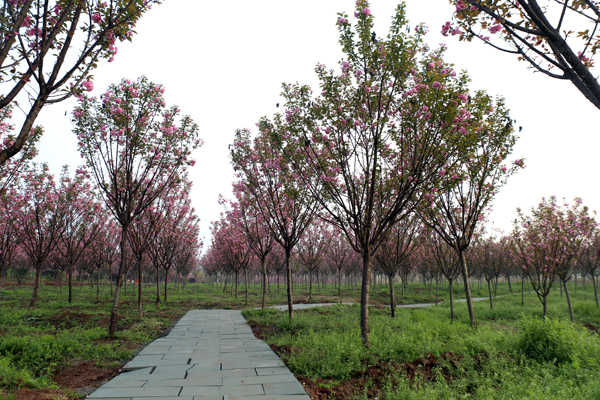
[(512, 354)]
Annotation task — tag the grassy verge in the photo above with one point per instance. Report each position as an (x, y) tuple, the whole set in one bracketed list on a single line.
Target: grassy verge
[(512, 354)]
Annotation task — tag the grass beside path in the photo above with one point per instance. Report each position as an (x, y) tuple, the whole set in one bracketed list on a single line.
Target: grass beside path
[(420, 354)]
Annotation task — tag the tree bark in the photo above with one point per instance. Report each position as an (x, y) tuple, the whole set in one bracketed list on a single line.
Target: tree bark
[(263, 268), (36, 283), (490, 292), (569, 302), (465, 274), (289, 285), (364, 299), (71, 283), (392, 295), (451, 300), (140, 314), (115, 307)]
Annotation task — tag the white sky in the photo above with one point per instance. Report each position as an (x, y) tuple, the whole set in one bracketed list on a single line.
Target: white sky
[(223, 63)]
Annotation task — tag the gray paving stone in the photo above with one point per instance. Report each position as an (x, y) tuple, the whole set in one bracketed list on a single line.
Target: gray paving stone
[(136, 392), (208, 355), (202, 391), (284, 388), (273, 371)]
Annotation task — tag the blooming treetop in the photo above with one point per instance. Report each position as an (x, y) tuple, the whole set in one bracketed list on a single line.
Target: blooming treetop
[(35, 57)]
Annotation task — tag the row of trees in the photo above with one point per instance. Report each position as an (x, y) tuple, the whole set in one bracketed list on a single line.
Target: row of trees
[(393, 143), (65, 227)]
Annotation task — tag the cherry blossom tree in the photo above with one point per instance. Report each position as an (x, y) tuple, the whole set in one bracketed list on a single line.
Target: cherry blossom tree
[(394, 252), (136, 149), (313, 247), (549, 241), (267, 180), (40, 218), (558, 38), (41, 60), (447, 262), (9, 241), (338, 253), (83, 218), (257, 234), (589, 259), (373, 145)]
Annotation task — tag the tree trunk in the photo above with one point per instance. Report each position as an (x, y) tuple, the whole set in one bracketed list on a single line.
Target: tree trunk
[(71, 283), (157, 288), (569, 302), (115, 307), (339, 281), (509, 285), (98, 286), (246, 283), (490, 292), (166, 282), (545, 304), (392, 295), (465, 274), (595, 284), (364, 299), (522, 290), (310, 285), (451, 300), (140, 314), (263, 269), (288, 271), (38, 274), (437, 287), (236, 285)]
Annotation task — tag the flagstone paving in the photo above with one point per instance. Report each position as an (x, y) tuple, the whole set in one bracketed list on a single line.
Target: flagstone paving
[(208, 355)]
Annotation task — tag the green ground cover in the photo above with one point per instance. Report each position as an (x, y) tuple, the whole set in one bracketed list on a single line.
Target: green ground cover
[(39, 347)]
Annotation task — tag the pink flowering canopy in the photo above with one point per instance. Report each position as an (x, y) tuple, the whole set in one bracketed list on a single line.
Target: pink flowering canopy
[(50, 48), (134, 145)]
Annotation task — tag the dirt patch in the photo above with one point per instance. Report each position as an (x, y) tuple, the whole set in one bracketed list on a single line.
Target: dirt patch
[(375, 378), (85, 376), (592, 328), (43, 394), (262, 331)]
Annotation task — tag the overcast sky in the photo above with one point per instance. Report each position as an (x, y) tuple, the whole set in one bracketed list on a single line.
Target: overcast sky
[(223, 63)]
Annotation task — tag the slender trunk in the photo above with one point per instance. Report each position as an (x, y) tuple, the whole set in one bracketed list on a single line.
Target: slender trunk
[(392, 295), (522, 290), (288, 272), (166, 282), (595, 283), (98, 286), (236, 285), (115, 307), (38, 274), (110, 279), (509, 285), (545, 304), (465, 274), (310, 284), (157, 288), (490, 292), (402, 282), (496, 286), (451, 300), (246, 279), (364, 299), (339, 281), (569, 302), (437, 287), (263, 268), (575, 282), (71, 283), (140, 314)]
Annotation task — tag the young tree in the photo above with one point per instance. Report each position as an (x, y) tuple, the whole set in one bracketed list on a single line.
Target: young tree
[(268, 182), (40, 218), (558, 38), (372, 145), (136, 149), (548, 243), (313, 247), (589, 259), (39, 54), (395, 251), (257, 234)]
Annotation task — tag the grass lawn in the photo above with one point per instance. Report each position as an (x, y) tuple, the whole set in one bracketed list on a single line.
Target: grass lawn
[(62, 351)]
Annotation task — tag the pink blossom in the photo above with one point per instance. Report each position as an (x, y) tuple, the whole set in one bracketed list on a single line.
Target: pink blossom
[(97, 18), (366, 11), (446, 28), (495, 28), (342, 21), (88, 85), (460, 6)]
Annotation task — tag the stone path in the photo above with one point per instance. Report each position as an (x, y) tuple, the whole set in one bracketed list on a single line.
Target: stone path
[(209, 355)]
